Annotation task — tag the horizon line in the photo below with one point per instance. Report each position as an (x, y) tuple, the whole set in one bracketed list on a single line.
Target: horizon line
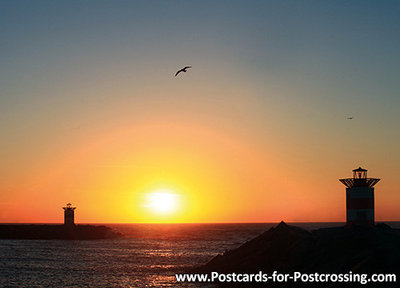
[(169, 223)]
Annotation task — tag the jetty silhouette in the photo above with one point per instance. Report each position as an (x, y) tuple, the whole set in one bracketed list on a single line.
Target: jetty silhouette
[(67, 231)]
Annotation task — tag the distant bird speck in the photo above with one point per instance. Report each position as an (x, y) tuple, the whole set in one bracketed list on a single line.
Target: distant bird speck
[(183, 70), (349, 118)]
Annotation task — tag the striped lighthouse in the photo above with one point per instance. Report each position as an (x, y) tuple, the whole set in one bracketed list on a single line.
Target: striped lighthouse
[(360, 208)]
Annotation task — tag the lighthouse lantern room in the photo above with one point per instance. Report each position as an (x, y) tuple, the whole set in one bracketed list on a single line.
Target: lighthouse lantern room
[(360, 208)]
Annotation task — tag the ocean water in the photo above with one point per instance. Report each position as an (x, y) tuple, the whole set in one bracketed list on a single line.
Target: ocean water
[(149, 256)]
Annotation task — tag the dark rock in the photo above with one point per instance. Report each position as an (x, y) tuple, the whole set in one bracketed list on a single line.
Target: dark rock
[(289, 249)]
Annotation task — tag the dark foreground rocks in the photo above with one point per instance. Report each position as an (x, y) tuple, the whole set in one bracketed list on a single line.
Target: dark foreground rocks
[(339, 250), (47, 232)]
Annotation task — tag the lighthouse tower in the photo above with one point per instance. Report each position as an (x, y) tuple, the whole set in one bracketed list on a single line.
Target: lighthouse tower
[(360, 208), (69, 215)]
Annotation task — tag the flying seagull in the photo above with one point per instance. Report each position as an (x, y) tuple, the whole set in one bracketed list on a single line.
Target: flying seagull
[(349, 118), (183, 70)]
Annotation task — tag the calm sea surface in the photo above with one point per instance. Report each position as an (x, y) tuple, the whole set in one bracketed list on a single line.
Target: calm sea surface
[(149, 256)]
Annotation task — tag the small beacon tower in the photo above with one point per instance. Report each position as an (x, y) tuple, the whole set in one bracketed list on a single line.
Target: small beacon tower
[(69, 215), (360, 208)]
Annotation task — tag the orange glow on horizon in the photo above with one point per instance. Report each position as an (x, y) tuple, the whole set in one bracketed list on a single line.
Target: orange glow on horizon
[(210, 176)]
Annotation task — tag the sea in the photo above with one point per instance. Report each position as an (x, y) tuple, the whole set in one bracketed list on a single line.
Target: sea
[(148, 256)]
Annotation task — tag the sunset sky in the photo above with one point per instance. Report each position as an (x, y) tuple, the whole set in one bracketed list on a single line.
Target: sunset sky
[(256, 131)]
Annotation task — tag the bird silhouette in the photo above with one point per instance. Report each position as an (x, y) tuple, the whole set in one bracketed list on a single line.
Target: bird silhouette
[(183, 70), (349, 118)]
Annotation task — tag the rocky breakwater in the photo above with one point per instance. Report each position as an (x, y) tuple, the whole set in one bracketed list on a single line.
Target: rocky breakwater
[(287, 249)]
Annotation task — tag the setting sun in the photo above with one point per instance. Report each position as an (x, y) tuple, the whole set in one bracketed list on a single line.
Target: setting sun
[(162, 201)]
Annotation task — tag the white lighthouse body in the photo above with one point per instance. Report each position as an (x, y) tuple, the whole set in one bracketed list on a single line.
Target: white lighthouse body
[(360, 203)]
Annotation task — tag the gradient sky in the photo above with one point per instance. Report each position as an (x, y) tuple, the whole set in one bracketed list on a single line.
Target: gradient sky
[(91, 113)]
